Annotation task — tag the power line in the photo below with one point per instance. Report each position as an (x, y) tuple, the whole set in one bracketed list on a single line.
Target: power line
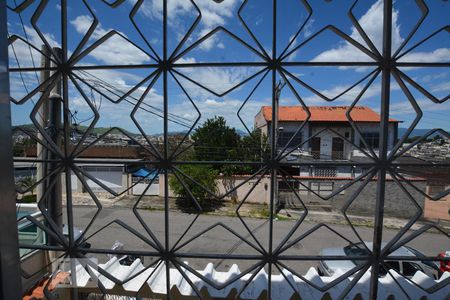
[(146, 104), (114, 90), (28, 42)]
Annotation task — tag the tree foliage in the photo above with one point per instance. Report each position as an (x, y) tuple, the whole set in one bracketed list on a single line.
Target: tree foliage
[(205, 177), (27, 184), (215, 140)]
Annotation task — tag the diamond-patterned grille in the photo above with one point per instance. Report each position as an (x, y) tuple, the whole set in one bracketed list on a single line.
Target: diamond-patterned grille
[(161, 71)]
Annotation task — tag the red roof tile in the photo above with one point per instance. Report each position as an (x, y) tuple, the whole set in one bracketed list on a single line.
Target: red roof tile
[(323, 114)]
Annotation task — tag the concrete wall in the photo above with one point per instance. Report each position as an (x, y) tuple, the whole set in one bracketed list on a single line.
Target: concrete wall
[(153, 190), (260, 193), (438, 210), (397, 203)]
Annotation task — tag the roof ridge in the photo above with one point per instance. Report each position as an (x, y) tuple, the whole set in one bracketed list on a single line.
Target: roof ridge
[(325, 113)]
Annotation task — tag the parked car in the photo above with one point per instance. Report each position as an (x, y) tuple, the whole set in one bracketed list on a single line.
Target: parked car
[(407, 268), (76, 234)]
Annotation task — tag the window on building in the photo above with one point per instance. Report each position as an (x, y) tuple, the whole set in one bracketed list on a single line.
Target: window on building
[(372, 139), (323, 188), (325, 172), (284, 137)]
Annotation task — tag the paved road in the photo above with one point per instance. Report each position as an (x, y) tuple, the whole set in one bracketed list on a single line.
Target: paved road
[(221, 241)]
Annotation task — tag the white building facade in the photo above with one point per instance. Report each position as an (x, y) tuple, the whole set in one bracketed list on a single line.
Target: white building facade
[(327, 133)]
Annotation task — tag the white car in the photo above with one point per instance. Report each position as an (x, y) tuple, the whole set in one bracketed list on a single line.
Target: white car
[(406, 267)]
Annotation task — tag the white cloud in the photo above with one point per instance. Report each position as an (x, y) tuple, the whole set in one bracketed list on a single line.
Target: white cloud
[(307, 30), (216, 79), (425, 105), (441, 87), (82, 23), (373, 27), (438, 55), (372, 92), (213, 15), (115, 50), (370, 22), (432, 77), (186, 60), (22, 49), (226, 107)]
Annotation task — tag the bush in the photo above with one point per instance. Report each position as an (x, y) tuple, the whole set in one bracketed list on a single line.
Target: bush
[(27, 199), (205, 175)]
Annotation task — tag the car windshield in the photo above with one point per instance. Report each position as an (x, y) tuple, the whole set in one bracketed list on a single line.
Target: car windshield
[(356, 250), (419, 254)]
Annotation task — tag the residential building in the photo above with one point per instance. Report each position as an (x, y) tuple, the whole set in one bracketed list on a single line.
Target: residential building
[(327, 134)]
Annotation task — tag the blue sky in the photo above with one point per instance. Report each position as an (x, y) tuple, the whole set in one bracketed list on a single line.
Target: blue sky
[(220, 47)]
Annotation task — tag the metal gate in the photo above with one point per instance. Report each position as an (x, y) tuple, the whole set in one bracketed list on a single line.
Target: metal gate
[(151, 72)]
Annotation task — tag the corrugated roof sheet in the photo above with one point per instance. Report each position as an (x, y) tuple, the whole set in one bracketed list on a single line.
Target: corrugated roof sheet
[(323, 114), (281, 288)]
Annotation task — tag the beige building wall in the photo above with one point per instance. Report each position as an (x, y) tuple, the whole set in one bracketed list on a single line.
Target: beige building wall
[(261, 123), (439, 209), (260, 193)]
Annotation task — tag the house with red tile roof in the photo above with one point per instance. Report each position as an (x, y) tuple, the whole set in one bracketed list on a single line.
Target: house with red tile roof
[(327, 132), (332, 134)]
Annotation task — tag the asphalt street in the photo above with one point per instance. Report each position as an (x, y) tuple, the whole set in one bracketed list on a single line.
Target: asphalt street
[(222, 235)]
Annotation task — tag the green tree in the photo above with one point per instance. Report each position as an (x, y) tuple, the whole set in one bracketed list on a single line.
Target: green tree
[(254, 147), (205, 177), (215, 140), (27, 183), (251, 148)]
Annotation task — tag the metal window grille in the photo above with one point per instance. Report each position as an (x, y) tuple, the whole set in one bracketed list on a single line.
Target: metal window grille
[(325, 172), (165, 153)]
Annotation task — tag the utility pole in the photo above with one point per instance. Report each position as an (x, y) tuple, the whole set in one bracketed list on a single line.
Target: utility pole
[(41, 151), (50, 120), (278, 89)]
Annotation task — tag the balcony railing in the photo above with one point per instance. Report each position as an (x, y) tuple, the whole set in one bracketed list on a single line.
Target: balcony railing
[(335, 155), (147, 67)]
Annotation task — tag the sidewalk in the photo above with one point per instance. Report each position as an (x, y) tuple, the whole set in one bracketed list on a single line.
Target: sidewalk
[(250, 210)]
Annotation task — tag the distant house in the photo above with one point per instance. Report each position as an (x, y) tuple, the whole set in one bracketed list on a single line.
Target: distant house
[(328, 136), (324, 132)]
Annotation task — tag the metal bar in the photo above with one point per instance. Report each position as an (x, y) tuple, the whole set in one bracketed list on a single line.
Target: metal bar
[(165, 65), (54, 124), (382, 168), (41, 150), (273, 153), (10, 280)]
